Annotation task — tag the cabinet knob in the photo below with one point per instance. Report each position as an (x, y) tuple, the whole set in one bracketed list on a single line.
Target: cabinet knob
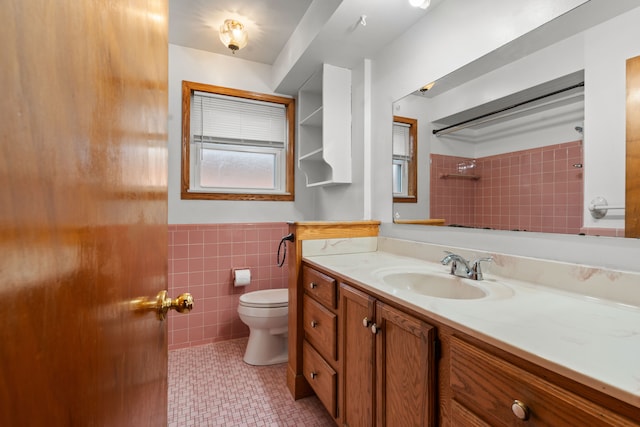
[(313, 285), (520, 410), (314, 323), (366, 322), (375, 329), (313, 375)]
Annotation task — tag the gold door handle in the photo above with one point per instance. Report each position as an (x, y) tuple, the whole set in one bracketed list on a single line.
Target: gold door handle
[(163, 303)]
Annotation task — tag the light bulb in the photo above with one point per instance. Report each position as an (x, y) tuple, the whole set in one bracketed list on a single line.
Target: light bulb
[(422, 4), (233, 35)]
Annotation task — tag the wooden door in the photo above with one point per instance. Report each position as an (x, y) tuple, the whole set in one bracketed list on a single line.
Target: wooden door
[(83, 212), (405, 366), (632, 197), (358, 350)]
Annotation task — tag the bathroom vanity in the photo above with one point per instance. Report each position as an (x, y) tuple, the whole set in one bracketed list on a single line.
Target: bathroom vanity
[(379, 344)]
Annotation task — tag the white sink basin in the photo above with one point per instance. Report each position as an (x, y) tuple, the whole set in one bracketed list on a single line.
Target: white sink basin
[(433, 285)]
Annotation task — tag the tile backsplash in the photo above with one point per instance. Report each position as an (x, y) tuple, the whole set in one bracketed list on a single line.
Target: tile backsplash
[(201, 261)]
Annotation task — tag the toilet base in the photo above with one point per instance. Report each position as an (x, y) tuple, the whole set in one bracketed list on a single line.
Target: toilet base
[(264, 348)]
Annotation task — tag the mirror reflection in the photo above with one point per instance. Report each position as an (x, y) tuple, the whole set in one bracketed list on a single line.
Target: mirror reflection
[(405, 151), (530, 144)]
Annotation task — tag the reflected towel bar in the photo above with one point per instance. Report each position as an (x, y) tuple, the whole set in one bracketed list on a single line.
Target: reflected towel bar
[(596, 207), (599, 207), (459, 175)]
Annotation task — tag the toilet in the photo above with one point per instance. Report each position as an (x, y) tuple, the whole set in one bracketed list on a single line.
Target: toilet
[(266, 314)]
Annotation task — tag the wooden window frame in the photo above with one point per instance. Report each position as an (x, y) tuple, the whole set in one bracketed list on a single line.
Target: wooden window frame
[(412, 173), (188, 88)]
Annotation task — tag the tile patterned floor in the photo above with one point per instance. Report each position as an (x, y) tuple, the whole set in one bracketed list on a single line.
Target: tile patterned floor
[(210, 385)]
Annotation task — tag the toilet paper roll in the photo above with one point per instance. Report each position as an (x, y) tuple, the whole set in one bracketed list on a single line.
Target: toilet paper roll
[(241, 277)]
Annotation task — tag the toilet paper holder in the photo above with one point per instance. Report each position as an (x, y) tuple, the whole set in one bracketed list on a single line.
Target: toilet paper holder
[(241, 277)]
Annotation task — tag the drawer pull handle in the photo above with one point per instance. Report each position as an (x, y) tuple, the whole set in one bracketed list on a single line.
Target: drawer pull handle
[(313, 285), (520, 410), (366, 322), (314, 323), (375, 329), (313, 375)]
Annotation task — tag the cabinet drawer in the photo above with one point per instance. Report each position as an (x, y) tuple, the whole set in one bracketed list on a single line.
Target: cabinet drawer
[(489, 386), (462, 417), (320, 327), (320, 286), (321, 377)]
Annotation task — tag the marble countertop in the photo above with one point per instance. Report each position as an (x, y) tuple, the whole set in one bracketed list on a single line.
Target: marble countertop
[(591, 340)]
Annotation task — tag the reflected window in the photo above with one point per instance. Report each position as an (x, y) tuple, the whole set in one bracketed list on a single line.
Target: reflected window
[(405, 150), (236, 144)]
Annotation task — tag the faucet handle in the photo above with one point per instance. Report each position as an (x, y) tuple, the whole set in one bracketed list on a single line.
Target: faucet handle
[(476, 270)]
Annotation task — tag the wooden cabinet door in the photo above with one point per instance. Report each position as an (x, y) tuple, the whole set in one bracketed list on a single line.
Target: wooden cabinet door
[(358, 347), (405, 379), (83, 212)]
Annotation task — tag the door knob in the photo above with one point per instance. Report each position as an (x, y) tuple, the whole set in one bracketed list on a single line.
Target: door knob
[(163, 303)]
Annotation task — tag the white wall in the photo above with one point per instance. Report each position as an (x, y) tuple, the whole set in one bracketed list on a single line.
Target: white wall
[(558, 60), (340, 202), (607, 47), (343, 202), (451, 36), (204, 67)]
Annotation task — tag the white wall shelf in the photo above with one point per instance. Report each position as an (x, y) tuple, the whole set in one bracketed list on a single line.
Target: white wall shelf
[(314, 155), (313, 119), (324, 127)]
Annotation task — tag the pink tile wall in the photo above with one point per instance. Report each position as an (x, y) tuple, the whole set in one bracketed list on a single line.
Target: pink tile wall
[(201, 259), (452, 198), (534, 190)]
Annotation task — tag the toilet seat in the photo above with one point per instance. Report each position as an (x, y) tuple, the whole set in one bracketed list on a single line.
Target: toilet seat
[(268, 298)]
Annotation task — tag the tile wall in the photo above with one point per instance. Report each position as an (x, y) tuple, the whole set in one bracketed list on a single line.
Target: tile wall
[(535, 190), (201, 260)]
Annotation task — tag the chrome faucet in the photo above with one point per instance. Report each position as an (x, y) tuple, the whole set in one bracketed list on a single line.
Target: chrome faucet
[(462, 268)]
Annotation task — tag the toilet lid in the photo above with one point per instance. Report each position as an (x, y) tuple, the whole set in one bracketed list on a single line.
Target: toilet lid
[(266, 298)]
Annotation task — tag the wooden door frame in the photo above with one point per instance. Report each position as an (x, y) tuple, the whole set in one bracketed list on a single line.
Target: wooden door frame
[(632, 190)]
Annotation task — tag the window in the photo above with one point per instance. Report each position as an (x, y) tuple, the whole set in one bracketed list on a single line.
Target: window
[(405, 151), (236, 145)]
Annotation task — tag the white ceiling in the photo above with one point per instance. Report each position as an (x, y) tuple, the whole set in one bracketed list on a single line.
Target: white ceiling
[(195, 24), (342, 40)]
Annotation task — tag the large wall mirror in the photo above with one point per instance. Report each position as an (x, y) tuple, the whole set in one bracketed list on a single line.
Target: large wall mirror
[(532, 136)]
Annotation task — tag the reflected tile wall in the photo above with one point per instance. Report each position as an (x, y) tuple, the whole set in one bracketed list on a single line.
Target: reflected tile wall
[(201, 260), (539, 189)]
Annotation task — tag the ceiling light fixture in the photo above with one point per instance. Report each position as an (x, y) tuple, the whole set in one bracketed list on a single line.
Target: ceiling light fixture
[(426, 87), (233, 35), (422, 4)]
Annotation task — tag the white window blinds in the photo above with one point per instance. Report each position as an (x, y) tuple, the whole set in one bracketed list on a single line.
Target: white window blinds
[(401, 140), (225, 119)]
